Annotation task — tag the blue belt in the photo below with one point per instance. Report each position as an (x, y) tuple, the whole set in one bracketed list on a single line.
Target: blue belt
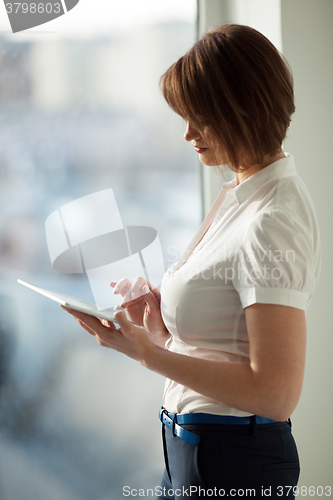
[(174, 422)]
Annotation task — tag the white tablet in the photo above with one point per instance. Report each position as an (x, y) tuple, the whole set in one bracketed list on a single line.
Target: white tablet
[(71, 302)]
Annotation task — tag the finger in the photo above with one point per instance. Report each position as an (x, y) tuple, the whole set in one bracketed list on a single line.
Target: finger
[(121, 286), (139, 287), (75, 313), (88, 322), (125, 325), (129, 295), (86, 328), (157, 294), (143, 287), (142, 290), (130, 303), (107, 323), (146, 288), (79, 320), (137, 290), (82, 317), (150, 299)]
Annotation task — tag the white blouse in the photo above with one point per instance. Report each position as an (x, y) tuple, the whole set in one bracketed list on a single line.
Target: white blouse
[(259, 243)]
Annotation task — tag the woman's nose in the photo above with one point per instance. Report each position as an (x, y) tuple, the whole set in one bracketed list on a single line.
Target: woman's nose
[(191, 133)]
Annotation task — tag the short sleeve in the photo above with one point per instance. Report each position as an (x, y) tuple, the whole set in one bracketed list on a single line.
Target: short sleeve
[(275, 264)]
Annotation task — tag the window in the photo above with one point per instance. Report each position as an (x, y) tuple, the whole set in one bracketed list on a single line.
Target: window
[(81, 112)]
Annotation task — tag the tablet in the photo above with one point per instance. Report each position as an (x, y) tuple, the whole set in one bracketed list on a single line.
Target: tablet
[(71, 302)]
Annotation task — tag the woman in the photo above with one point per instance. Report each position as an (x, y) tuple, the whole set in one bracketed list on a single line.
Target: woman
[(228, 329)]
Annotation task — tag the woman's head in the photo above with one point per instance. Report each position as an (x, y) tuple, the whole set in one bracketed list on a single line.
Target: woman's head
[(234, 86)]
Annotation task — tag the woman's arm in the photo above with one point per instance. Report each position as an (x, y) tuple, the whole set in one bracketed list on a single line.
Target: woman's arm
[(270, 386)]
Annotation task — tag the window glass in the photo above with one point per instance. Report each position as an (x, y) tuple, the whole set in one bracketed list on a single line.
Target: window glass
[(81, 113)]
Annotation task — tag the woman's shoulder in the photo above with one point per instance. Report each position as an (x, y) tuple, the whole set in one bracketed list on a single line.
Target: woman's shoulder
[(288, 227), (290, 207)]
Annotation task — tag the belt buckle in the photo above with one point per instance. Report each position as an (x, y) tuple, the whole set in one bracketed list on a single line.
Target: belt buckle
[(163, 411), (174, 418), (183, 434)]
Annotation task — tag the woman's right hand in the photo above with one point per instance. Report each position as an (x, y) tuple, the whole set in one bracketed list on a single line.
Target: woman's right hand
[(143, 304)]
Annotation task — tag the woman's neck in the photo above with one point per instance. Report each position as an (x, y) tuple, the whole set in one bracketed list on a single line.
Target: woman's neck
[(241, 176)]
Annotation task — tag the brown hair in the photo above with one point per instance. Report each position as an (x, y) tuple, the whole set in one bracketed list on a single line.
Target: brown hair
[(236, 83)]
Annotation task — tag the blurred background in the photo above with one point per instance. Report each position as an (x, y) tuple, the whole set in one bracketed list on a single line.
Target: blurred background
[(81, 111)]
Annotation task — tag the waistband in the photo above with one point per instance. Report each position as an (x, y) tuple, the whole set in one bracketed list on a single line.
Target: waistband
[(174, 422)]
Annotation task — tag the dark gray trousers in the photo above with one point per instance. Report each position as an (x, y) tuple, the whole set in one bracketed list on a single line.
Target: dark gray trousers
[(235, 461)]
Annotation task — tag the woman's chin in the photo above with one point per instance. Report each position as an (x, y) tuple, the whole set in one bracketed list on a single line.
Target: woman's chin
[(206, 161), (218, 168), (212, 161)]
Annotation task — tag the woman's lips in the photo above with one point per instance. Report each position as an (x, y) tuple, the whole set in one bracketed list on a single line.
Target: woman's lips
[(200, 150)]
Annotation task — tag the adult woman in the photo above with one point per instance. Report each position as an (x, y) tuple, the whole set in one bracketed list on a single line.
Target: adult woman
[(230, 333)]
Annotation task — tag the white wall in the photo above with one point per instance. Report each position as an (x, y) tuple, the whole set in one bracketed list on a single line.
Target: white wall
[(308, 46), (306, 37)]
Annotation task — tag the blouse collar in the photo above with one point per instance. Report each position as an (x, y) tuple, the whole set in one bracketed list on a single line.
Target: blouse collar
[(285, 167)]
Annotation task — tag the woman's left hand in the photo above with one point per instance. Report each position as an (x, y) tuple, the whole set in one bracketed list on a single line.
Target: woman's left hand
[(129, 339)]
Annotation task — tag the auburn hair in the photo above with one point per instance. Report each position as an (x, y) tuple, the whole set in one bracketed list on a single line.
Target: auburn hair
[(234, 83)]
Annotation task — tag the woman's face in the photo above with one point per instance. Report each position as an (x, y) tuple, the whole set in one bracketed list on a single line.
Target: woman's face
[(209, 151)]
